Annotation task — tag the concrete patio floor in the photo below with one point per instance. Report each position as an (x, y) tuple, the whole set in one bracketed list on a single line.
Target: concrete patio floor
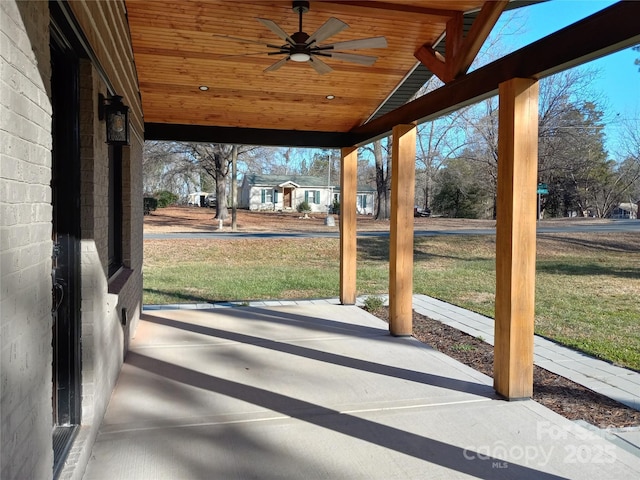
[(322, 391)]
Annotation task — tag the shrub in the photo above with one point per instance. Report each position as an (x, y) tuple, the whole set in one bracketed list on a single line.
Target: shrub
[(335, 208), (304, 207), (373, 304), (166, 198), (150, 204)]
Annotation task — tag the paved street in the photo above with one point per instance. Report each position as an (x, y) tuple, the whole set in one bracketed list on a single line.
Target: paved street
[(332, 232)]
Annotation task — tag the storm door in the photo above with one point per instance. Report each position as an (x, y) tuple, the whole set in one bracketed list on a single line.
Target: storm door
[(65, 271)]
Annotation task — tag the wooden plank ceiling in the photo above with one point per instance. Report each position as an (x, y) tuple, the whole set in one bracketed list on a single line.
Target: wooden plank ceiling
[(180, 45)]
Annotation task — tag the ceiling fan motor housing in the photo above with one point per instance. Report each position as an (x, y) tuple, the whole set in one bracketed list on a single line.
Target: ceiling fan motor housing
[(300, 38), (300, 7)]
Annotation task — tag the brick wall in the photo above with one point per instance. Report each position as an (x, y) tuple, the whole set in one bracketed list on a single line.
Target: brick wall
[(25, 241)]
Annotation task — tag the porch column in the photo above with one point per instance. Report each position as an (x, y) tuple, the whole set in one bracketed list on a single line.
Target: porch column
[(348, 192), (403, 165), (516, 238)]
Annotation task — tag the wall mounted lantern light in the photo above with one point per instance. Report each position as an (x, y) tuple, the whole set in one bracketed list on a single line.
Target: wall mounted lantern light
[(116, 116)]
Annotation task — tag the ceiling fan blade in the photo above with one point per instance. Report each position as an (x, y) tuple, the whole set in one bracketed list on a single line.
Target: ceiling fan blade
[(246, 40), (273, 26), (277, 65), (373, 42), (353, 58), (319, 66), (326, 30), (248, 54)]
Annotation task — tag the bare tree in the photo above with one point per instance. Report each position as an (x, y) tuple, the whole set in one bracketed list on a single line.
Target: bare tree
[(571, 149), (482, 145), (437, 141), (383, 179), (164, 168)]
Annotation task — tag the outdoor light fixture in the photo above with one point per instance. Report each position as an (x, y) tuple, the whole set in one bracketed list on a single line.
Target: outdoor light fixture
[(300, 57), (330, 97), (116, 116), (203, 88)]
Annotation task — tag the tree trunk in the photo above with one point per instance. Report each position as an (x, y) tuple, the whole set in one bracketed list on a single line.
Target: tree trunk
[(221, 200), (221, 174), (382, 183)]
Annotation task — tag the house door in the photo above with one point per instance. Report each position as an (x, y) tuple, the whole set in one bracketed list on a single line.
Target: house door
[(286, 197), (65, 199)]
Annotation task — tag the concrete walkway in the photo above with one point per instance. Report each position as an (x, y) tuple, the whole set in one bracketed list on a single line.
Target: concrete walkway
[(620, 384), (318, 390)]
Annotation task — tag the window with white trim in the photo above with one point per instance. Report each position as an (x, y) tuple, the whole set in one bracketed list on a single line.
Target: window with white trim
[(312, 196), (266, 195)]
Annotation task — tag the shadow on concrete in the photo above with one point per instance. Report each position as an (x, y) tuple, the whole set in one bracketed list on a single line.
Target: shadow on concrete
[(455, 458), (331, 358)]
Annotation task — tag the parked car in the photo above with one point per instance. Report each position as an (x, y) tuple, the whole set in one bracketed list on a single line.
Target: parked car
[(420, 212), (210, 201)]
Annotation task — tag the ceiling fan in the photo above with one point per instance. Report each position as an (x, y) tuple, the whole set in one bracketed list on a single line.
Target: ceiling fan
[(302, 47)]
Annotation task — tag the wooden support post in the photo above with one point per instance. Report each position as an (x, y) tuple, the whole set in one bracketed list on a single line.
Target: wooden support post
[(516, 238), (403, 167), (348, 191)]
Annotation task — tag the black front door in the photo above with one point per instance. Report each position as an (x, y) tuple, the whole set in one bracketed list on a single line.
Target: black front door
[(65, 188)]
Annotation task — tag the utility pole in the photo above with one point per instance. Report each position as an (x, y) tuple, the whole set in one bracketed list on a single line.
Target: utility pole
[(234, 189)]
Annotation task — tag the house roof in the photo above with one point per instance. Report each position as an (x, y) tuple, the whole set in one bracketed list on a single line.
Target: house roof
[(630, 207), (254, 179)]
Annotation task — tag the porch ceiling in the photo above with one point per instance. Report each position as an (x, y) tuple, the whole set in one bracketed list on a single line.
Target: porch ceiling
[(179, 46)]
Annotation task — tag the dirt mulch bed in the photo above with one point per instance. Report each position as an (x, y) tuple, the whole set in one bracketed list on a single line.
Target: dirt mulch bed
[(569, 399)]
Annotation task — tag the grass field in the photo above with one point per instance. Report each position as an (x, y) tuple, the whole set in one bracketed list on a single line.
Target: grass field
[(587, 293)]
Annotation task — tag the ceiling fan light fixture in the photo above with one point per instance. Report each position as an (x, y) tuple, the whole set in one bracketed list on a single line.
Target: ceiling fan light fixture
[(300, 57), (304, 48)]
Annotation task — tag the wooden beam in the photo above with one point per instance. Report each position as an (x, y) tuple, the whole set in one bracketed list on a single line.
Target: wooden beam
[(454, 40), (516, 238), (617, 28), (435, 62), (393, 8), (246, 136), (480, 30), (348, 241), (460, 51), (403, 166), (441, 66)]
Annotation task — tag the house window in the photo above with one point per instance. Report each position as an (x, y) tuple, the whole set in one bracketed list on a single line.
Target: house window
[(267, 195), (312, 196), (115, 209), (362, 201)]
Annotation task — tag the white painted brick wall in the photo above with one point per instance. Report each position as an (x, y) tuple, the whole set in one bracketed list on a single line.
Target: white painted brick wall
[(25, 242)]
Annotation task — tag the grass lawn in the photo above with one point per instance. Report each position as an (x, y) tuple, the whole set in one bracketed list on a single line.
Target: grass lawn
[(587, 289)]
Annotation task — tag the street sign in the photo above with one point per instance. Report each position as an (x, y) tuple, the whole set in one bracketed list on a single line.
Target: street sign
[(543, 189)]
